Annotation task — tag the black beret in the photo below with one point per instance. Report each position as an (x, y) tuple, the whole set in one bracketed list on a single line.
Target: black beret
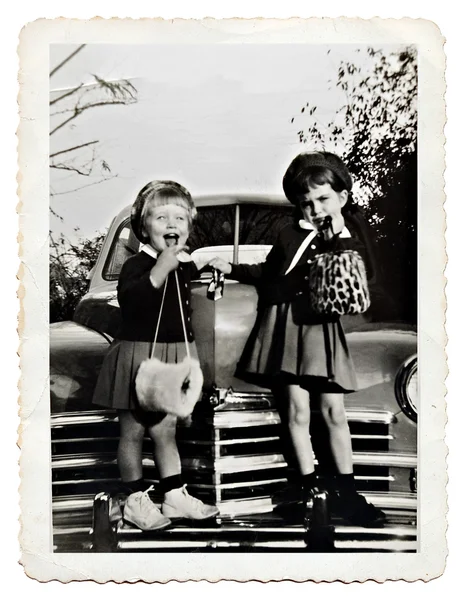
[(306, 160)]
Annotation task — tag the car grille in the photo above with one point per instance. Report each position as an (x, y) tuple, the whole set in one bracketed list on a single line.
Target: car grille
[(232, 456)]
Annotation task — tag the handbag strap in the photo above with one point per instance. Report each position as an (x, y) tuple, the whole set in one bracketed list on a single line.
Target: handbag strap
[(182, 317)]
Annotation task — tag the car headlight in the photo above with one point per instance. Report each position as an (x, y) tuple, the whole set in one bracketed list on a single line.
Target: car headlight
[(407, 387)]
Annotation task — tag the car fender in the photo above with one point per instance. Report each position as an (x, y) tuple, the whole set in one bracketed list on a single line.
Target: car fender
[(76, 356)]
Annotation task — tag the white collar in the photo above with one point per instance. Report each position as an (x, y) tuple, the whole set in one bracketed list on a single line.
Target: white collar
[(149, 250), (303, 224)]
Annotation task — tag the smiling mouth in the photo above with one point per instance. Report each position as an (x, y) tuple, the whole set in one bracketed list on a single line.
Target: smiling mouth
[(171, 239)]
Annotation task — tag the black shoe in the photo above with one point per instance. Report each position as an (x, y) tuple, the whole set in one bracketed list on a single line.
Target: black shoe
[(291, 504), (355, 509), (291, 494)]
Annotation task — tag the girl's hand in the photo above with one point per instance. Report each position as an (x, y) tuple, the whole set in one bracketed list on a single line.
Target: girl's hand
[(332, 228), (166, 262), (221, 265)]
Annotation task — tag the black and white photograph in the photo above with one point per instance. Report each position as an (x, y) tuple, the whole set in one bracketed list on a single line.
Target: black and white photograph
[(234, 261)]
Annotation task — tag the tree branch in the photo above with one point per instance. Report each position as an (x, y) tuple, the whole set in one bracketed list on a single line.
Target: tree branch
[(63, 62), (65, 122), (64, 167), (69, 93), (73, 148), (78, 111), (82, 187)]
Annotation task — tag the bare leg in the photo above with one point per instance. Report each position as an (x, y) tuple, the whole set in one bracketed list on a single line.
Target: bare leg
[(347, 503), (334, 415), (299, 424), (130, 446), (165, 450)]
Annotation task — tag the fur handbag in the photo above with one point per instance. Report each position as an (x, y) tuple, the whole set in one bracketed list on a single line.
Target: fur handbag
[(172, 388), (338, 284), (169, 388)]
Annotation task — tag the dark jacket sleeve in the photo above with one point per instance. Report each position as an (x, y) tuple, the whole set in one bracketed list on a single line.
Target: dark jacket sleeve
[(253, 274), (194, 272)]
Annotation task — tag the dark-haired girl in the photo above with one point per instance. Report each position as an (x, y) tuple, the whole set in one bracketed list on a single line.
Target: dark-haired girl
[(292, 348)]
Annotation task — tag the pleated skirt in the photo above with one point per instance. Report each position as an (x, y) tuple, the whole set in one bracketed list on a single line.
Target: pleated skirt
[(116, 382), (317, 353)]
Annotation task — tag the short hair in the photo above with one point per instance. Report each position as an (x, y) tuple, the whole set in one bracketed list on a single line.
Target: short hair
[(310, 169), (159, 193)]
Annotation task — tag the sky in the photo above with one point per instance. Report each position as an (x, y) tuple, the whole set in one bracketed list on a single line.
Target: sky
[(215, 118)]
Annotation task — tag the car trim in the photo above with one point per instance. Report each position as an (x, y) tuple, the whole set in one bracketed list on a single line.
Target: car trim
[(404, 374), (236, 464)]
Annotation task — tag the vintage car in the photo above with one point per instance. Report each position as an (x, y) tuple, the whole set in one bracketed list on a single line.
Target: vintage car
[(234, 450)]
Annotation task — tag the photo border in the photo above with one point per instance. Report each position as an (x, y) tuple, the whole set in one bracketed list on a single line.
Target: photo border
[(37, 559)]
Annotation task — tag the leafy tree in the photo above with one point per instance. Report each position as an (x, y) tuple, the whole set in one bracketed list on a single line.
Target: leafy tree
[(70, 265), (375, 132)]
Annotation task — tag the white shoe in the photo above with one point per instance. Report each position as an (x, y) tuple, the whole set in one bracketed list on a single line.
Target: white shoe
[(178, 504), (143, 513), (115, 512)]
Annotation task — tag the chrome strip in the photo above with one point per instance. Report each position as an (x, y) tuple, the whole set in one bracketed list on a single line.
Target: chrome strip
[(246, 506), (221, 419), (90, 461), (374, 478), (395, 500), (388, 531), (246, 418), (142, 544), (356, 436), (70, 530), (87, 440), (381, 417), (374, 545), (273, 438), (385, 459), (238, 485), (220, 529), (65, 419), (65, 505), (235, 464), (81, 481)]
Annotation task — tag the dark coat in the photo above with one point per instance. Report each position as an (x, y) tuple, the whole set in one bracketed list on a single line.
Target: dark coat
[(140, 302), (274, 287)]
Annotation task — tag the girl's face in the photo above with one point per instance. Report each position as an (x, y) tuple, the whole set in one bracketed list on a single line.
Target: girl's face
[(165, 223), (322, 201)]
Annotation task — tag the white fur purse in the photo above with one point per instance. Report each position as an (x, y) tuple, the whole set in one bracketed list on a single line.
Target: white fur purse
[(172, 388)]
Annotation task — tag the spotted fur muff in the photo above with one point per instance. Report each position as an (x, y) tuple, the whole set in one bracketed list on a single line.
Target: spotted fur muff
[(338, 284), (170, 388)]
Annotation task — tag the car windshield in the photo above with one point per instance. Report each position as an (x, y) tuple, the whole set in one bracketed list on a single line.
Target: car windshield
[(214, 226), (213, 232), (124, 245)]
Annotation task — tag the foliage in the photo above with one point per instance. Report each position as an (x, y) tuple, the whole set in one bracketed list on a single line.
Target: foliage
[(375, 132), (70, 265)]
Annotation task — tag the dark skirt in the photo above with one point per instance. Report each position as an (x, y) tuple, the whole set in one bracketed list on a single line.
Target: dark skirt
[(116, 382), (316, 354)]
